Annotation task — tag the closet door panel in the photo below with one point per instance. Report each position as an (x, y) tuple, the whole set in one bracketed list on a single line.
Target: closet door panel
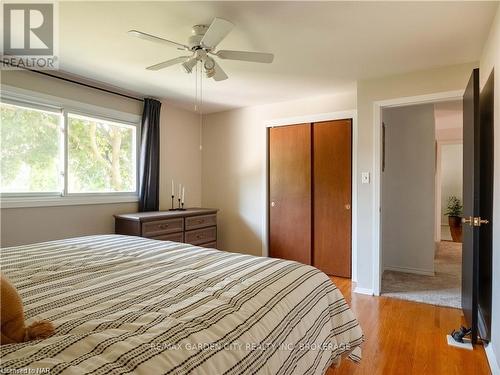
[(290, 192), (332, 191)]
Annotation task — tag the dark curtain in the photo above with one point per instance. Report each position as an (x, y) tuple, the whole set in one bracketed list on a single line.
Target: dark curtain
[(149, 172)]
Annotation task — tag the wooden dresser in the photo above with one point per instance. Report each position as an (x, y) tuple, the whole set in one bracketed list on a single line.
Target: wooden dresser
[(196, 226)]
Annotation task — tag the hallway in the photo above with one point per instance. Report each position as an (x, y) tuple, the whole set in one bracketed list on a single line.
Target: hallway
[(442, 289)]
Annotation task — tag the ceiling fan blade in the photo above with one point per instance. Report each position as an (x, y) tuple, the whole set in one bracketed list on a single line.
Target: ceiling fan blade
[(168, 63), (217, 31), (152, 38), (258, 57), (219, 75)]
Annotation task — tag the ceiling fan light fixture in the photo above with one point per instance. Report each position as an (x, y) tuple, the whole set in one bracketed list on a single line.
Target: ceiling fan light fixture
[(210, 72), (209, 65), (188, 65)]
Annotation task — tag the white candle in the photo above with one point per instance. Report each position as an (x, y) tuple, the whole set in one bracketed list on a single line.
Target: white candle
[(173, 191), (180, 188), (182, 194)]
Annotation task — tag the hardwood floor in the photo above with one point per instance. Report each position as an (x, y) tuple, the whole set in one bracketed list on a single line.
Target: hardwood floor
[(403, 337)]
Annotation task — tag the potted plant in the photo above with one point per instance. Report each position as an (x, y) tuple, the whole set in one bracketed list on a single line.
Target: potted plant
[(454, 213)]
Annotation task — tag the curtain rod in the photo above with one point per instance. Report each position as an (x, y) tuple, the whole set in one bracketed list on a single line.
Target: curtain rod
[(76, 82)]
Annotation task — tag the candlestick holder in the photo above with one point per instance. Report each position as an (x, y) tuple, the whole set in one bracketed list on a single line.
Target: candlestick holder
[(172, 205), (181, 206)]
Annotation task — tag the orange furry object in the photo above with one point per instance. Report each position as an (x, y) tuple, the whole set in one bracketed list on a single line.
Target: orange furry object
[(13, 328)]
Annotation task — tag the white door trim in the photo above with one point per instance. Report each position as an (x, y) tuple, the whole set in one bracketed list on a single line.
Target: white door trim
[(377, 146), (328, 116)]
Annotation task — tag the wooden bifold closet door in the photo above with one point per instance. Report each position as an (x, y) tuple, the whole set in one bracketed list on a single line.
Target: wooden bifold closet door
[(332, 183), (310, 195), (290, 193)]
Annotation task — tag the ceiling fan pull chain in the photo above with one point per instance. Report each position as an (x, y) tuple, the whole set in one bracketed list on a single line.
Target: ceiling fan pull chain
[(201, 103), (201, 91), (196, 90)]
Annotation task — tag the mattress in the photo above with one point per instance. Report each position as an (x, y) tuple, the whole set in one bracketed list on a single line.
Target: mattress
[(125, 304)]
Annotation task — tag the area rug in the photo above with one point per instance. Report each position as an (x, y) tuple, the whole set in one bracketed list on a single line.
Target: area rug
[(442, 289)]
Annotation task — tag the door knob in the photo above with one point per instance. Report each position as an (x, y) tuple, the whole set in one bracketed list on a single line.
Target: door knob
[(273, 204), (467, 220), (483, 221), (474, 221), (347, 206)]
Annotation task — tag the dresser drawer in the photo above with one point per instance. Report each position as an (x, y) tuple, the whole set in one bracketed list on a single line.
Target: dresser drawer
[(161, 227), (195, 222), (176, 237), (211, 245), (201, 236)]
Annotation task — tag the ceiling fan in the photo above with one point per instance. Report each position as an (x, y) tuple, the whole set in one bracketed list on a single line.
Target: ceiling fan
[(202, 46)]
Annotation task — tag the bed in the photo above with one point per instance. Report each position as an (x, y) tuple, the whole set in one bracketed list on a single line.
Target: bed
[(125, 304)]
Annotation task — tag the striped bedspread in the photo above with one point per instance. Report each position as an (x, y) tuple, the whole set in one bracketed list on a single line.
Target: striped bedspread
[(126, 305)]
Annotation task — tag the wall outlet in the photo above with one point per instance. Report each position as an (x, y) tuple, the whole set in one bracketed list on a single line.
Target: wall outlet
[(365, 177)]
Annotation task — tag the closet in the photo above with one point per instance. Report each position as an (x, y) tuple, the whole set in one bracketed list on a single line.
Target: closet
[(310, 189)]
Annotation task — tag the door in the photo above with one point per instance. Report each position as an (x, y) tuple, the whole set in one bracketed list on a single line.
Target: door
[(486, 104), (332, 187), (470, 246), (290, 192)]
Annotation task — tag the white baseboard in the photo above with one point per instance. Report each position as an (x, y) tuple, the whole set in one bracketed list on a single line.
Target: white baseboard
[(418, 271), (492, 360), (366, 291)]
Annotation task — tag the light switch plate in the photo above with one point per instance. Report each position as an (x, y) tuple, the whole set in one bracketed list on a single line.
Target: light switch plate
[(365, 177)]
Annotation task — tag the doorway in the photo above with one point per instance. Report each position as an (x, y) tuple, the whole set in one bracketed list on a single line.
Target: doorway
[(421, 175), (478, 182)]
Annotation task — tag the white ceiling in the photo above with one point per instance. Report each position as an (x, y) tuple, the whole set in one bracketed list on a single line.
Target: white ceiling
[(320, 47)]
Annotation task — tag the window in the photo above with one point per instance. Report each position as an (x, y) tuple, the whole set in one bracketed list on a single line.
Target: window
[(101, 156), (61, 152)]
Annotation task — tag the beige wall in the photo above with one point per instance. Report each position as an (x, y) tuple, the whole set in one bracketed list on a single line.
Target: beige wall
[(36, 224), (180, 155), (449, 121), (46, 85), (233, 165), (179, 159), (447, 135), (408, 189), (490, 59)]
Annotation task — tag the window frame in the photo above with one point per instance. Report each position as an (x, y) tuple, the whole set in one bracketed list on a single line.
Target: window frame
[(39, 101)]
